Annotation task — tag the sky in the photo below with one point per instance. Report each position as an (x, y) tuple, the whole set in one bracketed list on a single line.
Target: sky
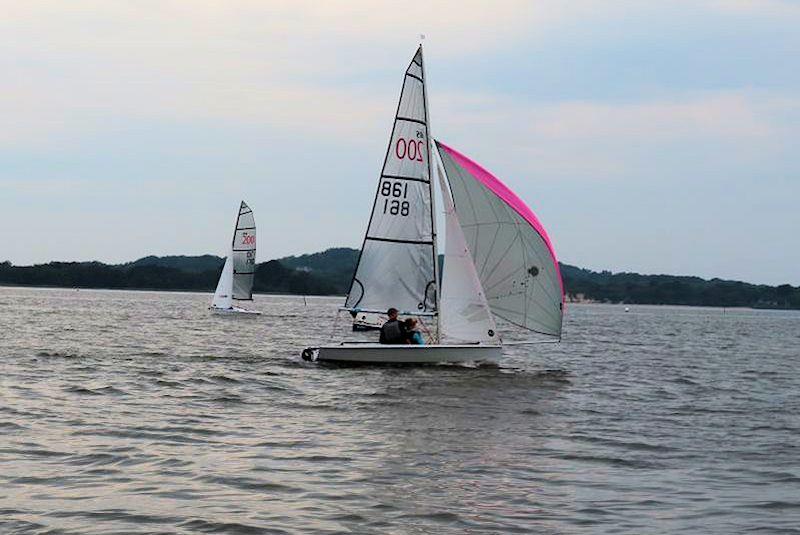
[(655, 137)]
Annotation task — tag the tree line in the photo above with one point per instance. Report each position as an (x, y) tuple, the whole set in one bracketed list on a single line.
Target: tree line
[(330, 273)]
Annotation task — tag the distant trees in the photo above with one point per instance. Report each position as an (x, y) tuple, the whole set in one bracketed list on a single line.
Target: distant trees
[(330, 273), (274, 277), (674, 290)]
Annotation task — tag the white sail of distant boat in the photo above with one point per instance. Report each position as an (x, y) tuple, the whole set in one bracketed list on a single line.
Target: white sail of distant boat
[(223, 296), (236, 280), (498, 261)]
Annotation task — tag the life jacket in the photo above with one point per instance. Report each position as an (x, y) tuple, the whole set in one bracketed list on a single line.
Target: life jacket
[(392, 333)]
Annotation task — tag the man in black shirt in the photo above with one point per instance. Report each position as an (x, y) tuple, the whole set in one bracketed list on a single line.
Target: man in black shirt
[(393, 331)]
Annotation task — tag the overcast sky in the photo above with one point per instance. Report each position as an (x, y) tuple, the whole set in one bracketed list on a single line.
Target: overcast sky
[(658, 137)]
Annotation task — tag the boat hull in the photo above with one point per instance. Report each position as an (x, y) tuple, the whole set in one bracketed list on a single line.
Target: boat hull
[(404, 354), (234, 311)]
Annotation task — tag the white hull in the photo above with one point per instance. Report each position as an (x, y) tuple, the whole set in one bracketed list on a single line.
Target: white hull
[(234, 311), (406, 354)]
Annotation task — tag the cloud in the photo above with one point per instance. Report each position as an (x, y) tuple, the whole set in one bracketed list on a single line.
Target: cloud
[(594, 111), (777, 8), (580, 140), (70, 70), (73, 70)]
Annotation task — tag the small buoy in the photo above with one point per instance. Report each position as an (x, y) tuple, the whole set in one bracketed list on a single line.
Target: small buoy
[(627, 309)]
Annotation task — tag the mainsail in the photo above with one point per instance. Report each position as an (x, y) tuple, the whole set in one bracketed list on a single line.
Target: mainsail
[(397, 267), (244, 254), (512, 253)]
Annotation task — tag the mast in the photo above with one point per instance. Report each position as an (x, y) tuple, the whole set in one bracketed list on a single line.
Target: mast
[(431, 151)]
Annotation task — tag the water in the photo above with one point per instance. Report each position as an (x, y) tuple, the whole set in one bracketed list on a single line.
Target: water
[(138, 412)]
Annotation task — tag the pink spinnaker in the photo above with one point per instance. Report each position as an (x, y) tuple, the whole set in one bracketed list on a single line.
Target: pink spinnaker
[(509, 197)]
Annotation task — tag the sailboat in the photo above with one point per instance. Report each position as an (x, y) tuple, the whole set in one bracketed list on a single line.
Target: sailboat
[(498, 261), (236, 280)]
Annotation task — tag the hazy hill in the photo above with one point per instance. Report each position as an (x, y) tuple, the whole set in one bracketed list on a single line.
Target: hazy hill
[(193, 264), (330, 272), (333, 266)]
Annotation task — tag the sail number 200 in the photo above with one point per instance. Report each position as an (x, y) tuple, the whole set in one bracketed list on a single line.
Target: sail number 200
[(394, 192), (409, 149)]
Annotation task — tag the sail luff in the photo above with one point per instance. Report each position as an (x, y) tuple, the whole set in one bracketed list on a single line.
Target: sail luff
[(236, 225), (436, 274)]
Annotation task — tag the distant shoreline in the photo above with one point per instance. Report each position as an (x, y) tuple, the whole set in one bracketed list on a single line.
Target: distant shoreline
[(568, 302), (330, 273), (164, 290)]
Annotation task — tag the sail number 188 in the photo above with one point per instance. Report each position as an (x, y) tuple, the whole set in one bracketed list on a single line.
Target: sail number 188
[(394, 193)]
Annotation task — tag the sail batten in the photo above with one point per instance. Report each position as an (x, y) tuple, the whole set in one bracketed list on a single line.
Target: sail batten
[(512, 252), (397, 264)]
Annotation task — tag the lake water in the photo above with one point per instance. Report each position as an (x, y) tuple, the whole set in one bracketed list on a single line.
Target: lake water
[(138, 412)]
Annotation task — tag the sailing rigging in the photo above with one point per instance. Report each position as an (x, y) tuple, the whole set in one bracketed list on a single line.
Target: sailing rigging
[(236, 280), (498, 261)]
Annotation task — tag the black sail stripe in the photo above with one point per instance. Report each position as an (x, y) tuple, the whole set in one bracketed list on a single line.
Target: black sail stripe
[(393, 240), (411, 120), (398, 177)]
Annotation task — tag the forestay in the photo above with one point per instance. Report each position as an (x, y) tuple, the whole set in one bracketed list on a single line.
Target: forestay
[(396, 267), (512, 253), (244, 254), (464, 313)]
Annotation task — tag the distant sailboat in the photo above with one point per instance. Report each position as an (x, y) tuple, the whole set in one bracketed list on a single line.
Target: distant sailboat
[(236, 281), (498, 258)]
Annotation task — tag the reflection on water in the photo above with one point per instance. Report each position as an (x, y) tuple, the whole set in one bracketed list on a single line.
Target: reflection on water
[(140, 412)]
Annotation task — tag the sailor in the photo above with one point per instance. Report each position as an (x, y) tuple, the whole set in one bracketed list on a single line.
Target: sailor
[(413, 336), (393, 331)]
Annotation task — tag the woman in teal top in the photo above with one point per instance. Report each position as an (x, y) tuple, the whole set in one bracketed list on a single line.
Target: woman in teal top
[(413, 335)]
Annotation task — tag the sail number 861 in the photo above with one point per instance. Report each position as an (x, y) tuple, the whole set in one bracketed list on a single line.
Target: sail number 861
[(394, 193)]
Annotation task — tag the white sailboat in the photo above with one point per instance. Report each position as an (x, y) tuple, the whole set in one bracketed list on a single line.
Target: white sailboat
[(236, 281), (498, 259)]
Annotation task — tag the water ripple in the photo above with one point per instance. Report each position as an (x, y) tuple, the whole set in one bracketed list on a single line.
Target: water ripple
[(138, 412)]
